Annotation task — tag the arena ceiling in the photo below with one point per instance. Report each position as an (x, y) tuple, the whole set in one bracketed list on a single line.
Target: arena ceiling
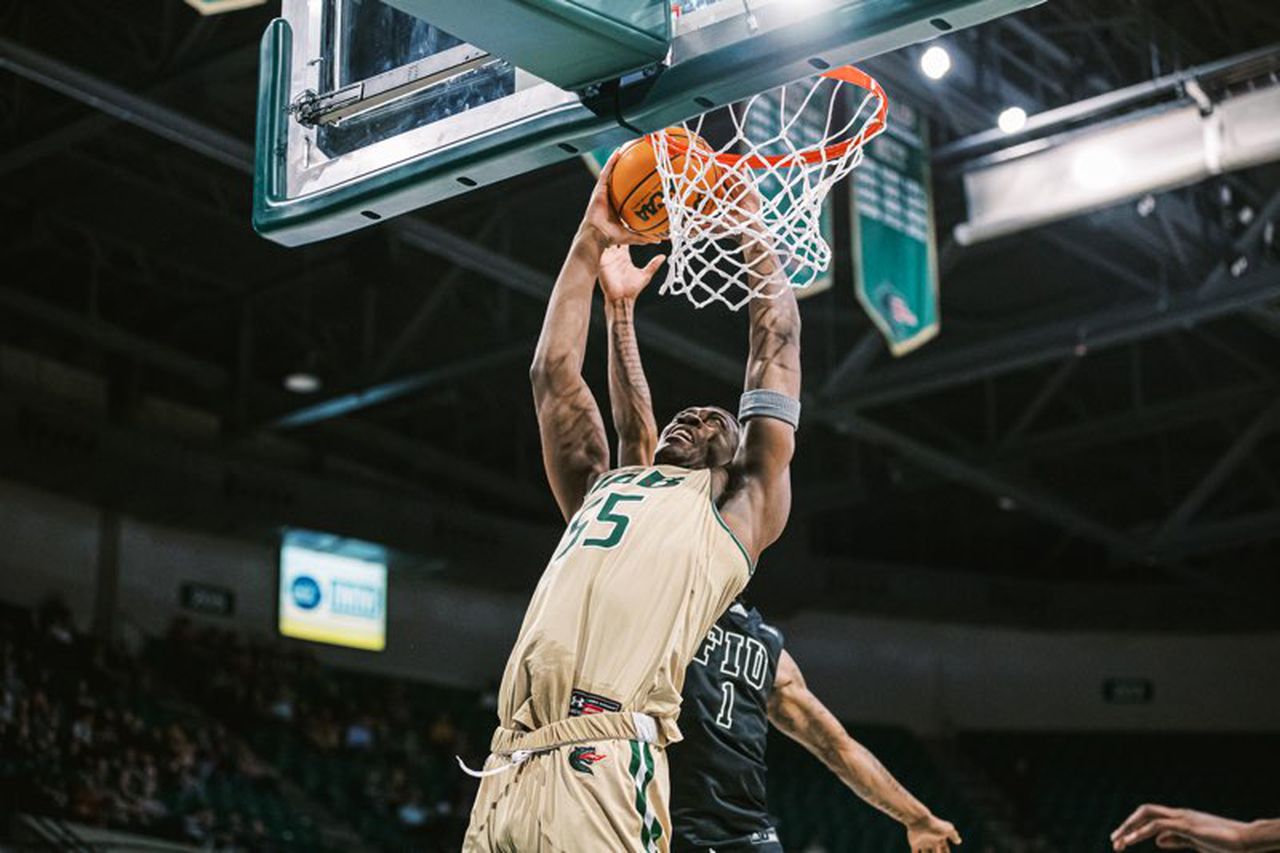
[(1103, 404)]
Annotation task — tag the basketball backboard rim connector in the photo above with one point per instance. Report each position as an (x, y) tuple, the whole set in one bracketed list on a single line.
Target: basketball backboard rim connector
[(719, 55)]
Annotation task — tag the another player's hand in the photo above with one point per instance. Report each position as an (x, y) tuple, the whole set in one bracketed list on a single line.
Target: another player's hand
[(931, 834), (601, 222), (620, 279), (1181, 829)]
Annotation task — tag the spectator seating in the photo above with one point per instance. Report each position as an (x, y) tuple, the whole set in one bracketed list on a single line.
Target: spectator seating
[(1075, 788), (84, 736), (376, 751)]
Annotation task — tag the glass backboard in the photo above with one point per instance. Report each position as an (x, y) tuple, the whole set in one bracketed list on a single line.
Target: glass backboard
[(366, 112)]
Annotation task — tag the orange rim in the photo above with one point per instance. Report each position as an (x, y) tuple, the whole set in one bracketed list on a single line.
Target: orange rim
[(813, 156)]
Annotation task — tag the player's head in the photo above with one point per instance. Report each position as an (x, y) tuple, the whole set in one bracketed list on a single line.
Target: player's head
[(699, 437)]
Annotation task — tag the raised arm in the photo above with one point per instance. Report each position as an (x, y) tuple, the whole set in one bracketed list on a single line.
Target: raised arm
[(797, 713), (759, 493), (574, 447), (621, 281)]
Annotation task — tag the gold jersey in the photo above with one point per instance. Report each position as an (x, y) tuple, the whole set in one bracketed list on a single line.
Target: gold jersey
[(643, 570)]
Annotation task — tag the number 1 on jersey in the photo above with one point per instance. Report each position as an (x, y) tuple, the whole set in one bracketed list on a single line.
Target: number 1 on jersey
[(725, 718)]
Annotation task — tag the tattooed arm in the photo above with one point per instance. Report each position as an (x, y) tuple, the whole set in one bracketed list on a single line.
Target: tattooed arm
[(756, 501), (574, 447), (797, 713), (629, 398)]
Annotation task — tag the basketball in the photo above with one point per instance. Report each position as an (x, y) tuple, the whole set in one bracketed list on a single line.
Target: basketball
[(635, 187)]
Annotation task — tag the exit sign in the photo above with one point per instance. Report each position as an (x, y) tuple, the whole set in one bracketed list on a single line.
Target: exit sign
[(1128, 691)]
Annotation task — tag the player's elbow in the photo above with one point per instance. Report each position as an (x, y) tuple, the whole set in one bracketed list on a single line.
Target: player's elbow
[(549, 375)]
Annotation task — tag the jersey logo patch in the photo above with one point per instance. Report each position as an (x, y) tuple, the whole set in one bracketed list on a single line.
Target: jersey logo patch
[(582, 757), (582, 703)]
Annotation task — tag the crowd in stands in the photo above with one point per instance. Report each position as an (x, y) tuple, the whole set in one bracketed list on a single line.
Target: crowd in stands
[(84, 736), (1075, 788), (228, 744), (377, 750)]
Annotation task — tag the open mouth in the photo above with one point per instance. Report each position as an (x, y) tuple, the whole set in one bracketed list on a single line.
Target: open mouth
[(680, 434)]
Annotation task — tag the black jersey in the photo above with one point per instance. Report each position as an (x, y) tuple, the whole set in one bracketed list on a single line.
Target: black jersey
[(718, 770)]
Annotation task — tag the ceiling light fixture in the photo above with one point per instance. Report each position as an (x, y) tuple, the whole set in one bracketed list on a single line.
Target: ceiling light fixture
[(935, 62)]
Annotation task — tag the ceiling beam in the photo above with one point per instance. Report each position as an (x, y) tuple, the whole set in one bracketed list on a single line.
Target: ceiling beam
[(126, 106), (61, 139), (854, 363), (1216, 535), (427, 309), (1041, 400), (945, 366), (1237, 453), (1029, 497), (1244, 245), (1135, 423), (102, 334), (414, 383)]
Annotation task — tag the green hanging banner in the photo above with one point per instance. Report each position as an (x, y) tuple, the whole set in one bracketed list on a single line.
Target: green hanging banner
[(895, 258)]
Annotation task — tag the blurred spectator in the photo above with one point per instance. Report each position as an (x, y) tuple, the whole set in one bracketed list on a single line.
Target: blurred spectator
[(413, 813), (359, 734), (76, 742)]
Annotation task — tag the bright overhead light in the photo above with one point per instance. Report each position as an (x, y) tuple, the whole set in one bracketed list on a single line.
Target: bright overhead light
[(1096, 168), (935, 62), (302, 382), (1012, 119)]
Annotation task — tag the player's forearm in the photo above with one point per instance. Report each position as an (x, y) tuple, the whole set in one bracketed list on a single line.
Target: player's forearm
[(868, 778), (1262, 835), (806, 720), (563, 342), (774, 356), (629, 396)]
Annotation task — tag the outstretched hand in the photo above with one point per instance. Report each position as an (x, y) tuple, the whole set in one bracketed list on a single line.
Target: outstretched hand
[(620, 279), (1181, 829), (931, 834), (603, 220)]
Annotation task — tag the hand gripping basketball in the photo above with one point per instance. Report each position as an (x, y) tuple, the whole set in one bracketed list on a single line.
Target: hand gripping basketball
[(635, 186), (602, 219)]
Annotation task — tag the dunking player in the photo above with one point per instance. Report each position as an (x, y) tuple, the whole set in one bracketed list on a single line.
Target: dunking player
[(741, 679), (652, 554)]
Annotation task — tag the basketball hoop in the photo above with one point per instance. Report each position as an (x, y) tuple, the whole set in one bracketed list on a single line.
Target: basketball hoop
[(762, 189)]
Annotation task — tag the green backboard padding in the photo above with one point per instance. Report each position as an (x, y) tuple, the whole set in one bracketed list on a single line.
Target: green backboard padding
[(571, 43)]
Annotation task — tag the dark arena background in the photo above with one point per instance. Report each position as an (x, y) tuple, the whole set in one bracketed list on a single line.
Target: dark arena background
[(1033, 565)]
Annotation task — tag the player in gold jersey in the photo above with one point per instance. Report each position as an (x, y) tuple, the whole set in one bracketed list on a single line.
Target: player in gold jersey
[(652, 554)]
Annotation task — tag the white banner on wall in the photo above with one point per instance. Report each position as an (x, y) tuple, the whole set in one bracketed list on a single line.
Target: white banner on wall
[(333, 590)]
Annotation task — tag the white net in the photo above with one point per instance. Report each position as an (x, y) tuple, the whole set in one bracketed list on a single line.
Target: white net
[(745, 218)]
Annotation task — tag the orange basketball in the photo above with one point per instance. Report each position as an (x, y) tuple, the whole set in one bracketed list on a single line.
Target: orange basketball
[(635, 187)]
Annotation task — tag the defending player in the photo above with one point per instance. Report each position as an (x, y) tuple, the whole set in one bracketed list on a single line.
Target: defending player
[(741, 678), (740, 681), (652, 554)]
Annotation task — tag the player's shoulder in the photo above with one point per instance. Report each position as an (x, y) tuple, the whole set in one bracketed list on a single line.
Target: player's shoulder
[(750, 621)]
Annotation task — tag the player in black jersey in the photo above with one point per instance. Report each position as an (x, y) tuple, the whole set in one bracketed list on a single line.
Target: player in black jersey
[(740, 681)]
